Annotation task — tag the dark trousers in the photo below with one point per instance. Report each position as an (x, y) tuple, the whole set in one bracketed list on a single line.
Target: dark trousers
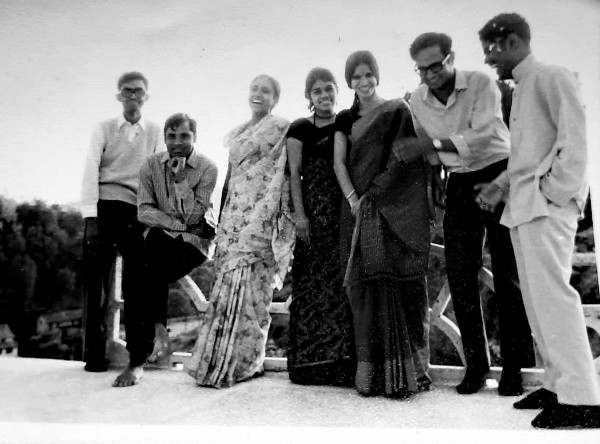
[(465, 226), (118, 230), (167, 259)]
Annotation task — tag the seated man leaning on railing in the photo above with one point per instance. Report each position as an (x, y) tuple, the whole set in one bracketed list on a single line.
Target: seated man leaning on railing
[(174, 204)]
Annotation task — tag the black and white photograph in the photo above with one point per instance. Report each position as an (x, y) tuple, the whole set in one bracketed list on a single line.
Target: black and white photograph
[(290, 221)]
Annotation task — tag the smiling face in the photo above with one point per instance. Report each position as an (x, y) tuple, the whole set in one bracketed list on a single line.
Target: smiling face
[(363, 81), (180, 141), (133, 96), (435, 69), (323, 96), (262, 96)]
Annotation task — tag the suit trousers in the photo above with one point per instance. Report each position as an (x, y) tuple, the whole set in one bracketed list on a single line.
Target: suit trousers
[(543, 249), (465, 227)]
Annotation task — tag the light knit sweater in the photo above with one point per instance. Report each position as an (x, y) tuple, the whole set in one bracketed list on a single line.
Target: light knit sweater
[(117, 151)]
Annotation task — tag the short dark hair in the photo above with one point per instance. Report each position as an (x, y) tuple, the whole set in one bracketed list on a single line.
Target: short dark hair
[(429, 39), (359, 58), (132, 75), (315, 74), (175, 120), (274, 83), (504, 24)]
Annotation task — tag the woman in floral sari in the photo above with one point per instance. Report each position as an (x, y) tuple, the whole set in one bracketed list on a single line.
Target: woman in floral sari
[(384, 236), (254, 245)]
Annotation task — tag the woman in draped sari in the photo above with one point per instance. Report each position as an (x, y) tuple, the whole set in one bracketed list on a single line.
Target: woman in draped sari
[(254, 245), (384, 237)]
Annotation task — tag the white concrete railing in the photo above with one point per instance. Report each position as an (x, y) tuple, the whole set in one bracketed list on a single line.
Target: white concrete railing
[(118, 355)]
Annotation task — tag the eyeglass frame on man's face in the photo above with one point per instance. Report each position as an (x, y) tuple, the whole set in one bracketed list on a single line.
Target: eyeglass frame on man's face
[(128, 93), (434, 68)]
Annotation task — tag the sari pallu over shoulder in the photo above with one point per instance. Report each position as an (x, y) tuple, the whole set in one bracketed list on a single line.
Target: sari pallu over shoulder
[(254, 247), (391, 234), (258, 200)]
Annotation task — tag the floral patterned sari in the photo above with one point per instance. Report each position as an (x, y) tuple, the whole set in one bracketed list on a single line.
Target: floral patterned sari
[(254, 244)]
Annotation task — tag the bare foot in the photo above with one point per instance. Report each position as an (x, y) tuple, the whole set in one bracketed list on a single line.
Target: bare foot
[(161, 343), (130, 376)]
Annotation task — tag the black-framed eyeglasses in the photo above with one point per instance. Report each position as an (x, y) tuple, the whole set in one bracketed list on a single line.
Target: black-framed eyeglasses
[(128, 93), (434, 68)]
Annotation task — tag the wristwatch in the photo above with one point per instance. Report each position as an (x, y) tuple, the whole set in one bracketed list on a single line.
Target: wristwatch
[(437, 143)]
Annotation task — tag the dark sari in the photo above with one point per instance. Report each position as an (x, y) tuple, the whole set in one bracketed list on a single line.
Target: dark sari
[(320, 336), (385, 251)]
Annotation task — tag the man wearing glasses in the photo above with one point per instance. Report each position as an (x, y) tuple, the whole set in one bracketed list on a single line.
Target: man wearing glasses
[(458, 113), (547, 189), (117, 150)]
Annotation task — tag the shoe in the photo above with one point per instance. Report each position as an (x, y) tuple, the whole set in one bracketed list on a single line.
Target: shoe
[(511, 383), (560, 416), (472, 382), (539, 399), (95, 367)]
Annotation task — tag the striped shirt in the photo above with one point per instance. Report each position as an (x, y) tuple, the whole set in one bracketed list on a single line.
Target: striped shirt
[(177, 207)]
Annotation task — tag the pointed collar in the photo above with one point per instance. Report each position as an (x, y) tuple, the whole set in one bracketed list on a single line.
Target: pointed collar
[(121, 121), (460, 83)]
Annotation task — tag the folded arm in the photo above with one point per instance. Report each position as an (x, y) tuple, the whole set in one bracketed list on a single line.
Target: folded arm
[(385, 181), (192, 202), (148, 210), (483, 118)]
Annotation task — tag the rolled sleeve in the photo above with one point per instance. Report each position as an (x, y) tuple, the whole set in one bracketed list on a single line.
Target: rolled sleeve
[(473, 142)]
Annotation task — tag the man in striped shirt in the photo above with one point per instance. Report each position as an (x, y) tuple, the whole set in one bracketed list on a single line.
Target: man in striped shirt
[(174, 204)]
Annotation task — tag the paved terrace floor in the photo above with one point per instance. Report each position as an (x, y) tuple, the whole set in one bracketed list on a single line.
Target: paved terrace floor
[(51, 401)]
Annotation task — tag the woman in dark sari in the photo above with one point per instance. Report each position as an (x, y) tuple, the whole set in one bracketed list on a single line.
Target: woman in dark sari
[(320, 336), (384, 236)]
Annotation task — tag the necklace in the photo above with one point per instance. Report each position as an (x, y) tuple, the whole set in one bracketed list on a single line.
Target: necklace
[(315, 115)]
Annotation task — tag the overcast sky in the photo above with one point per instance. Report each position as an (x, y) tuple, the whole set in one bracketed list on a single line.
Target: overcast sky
[(61, 59)]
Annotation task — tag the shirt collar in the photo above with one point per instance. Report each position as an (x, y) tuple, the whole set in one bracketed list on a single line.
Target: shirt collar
[(121, 121), (460, 83), (524, 67), (193, 160)]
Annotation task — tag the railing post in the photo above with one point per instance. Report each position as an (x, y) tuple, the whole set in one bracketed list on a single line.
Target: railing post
[(117, 353)]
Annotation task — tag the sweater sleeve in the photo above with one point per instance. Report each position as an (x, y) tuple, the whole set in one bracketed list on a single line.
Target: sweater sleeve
[(90, 190)]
